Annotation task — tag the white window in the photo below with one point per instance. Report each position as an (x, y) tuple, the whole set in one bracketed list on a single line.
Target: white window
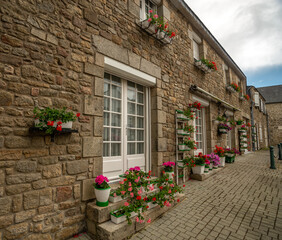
[(200, 131), (196, 51), (145, 7), (225, 74), (124, 126), (256, 99)]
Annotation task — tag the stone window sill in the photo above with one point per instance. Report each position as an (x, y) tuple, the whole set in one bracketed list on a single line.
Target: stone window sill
[(202, 66)]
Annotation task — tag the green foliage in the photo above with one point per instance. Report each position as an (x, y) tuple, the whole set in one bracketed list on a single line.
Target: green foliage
[(189, 114), (190, 143), (189, 128)]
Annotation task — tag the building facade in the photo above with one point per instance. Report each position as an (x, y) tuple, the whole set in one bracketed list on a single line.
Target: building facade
[(259, 119), (273, 96), (94, 58)]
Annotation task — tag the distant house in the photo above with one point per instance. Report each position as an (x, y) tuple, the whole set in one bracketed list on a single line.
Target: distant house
[(273, 97)]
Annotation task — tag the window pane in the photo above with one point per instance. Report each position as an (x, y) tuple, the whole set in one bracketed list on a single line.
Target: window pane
[(131, 95), (140, 97), (106, 104), (106, 149), (140, 110), (130, 148), (116, 80), (140, 88), (131, 108), (131, 85), (106, 135), (116, 105), (140, 148), (115, 134), (116, 120), (140, 122), (106, 119), (115, 149), (140, 135), (107, 77), (106, 89), (116, 91), (131, 135), (131, 121)]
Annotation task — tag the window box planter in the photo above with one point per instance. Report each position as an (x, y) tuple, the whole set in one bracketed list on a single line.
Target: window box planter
[(230, 89), (182, 132), (198, 169), (199, 64), (180, 115), (113, 199), (211, 166), (183, 147), (222, 130), (119, 218), (242, 130), (222, 161), (163, 37), (102, 196), (148, 27), (180, 163), (206, 169)]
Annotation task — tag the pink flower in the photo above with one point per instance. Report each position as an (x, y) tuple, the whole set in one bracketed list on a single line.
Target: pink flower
[(126, 173), (122, 192), (149, 220), (130, 189), (115, 194), (129, 184), (151, 188), (100, 179), (141, 221), (172, 185), (136, 180), (132, 194), (169, 191), (126, 204), (150, 11), (150, 19), (137, 219), (139, 192), (122, 182), (156, 16)]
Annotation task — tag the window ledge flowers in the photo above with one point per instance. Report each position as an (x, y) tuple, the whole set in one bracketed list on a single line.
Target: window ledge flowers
[(156, 27), (233, 87), (205, 65), (224, 128)]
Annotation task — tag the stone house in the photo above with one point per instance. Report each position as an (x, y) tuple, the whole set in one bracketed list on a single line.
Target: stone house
[(93, 57), (259, 115), (273, 97)]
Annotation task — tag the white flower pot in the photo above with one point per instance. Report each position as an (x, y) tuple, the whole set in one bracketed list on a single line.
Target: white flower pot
[(222, 130), (151, 205), (180, 163), (102, 197), (115, 199), (118, 220), (183, 147), (211, 166), (222, 161), (161, 35), (170, 177), (198, 169), (167, 39), (206, 170), (67, 125)]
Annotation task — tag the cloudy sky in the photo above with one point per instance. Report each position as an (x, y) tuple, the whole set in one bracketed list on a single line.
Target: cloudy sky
[(250, 31)]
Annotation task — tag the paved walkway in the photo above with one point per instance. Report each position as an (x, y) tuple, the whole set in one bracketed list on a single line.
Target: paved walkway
[(242, 201)]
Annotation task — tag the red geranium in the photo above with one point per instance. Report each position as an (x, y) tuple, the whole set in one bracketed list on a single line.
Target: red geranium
[(138, 197), (59, 128)]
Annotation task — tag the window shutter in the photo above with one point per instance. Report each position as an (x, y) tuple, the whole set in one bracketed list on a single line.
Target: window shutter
[(256, 99)]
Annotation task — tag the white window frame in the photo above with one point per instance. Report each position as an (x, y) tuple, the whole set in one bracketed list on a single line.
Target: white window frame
[(143, 14), (225, 72), (196, 40), (256, 99)]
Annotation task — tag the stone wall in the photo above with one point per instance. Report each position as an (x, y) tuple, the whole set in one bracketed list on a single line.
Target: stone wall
[(275, 122), (52, 54)]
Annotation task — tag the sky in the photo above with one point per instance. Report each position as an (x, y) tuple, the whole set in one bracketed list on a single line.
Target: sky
[(250, 31)]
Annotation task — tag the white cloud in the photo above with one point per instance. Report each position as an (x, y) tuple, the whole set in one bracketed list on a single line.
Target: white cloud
[(249, 30)]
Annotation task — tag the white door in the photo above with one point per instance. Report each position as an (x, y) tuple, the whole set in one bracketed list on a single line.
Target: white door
[(199, 135), (124, 126)]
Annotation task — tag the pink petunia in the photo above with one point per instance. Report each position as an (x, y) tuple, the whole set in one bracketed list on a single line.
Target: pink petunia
[(126, 204), (129, 184), (150, 11), (137, 219), (130, 189), (140, 192), (150, 19), (115, 194), (132, 194), (156, 16), (149, 221), (122, 192)]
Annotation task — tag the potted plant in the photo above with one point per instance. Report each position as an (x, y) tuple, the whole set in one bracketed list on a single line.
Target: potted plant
[(243, 129), (188, 129), (214, 159), (206, 65), (102, 191), (187, 145), (189, 114), (230, 154), (180, 115), (51, 119), (220, 152), (239, 122), (150, 23), (189, 162), (115, 195), (223, 128), (168, 168), (233, 87), (195, 106), (220, 119), (200, 161), (247, 97)]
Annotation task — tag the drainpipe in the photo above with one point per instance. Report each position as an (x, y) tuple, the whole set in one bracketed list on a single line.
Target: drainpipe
[(268, 132), (252, 120)]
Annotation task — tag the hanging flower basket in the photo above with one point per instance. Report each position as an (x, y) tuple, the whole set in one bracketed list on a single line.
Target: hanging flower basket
[(223, 130)]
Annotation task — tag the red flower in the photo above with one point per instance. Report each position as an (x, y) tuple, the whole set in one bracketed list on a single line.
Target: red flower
[(178, 200), (184, 185), (166, 179), (161, 187), (59, 123), (78, 114), (138, 197), (154, 199), (59, 128), (50, 123), (125, 180), (147, 206)]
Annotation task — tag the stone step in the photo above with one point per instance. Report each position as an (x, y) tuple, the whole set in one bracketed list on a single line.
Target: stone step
[(111, 231), (202, 177)]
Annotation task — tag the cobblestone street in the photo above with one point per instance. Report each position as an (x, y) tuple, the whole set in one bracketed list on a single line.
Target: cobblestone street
[(243, 201)]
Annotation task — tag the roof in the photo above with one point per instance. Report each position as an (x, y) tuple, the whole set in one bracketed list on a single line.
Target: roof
[(272, 94), (182, 6), (249, 92)]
